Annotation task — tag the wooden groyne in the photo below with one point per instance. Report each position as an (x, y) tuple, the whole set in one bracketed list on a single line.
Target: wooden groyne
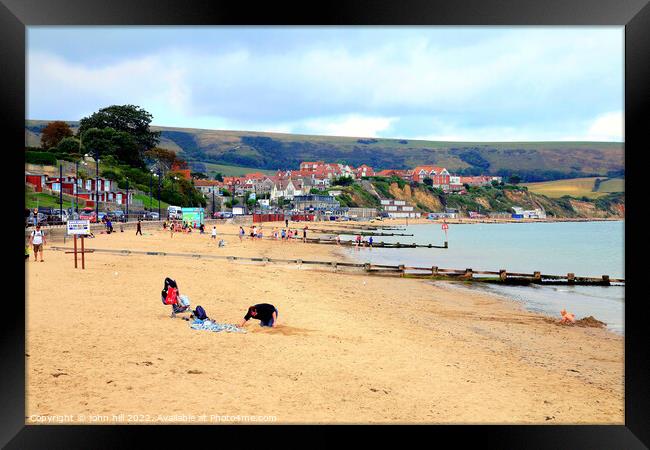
[(434, 273), (362, 233)]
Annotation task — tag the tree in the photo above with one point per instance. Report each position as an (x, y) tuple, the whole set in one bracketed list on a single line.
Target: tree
[(54, 133), (199, 175), (161, 155), (69, 145), (514, 179), (129, 119), (428, 181), (218, 176)]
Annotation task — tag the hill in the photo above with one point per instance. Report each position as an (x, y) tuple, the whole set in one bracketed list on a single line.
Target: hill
[(593, 187), (532, 161)]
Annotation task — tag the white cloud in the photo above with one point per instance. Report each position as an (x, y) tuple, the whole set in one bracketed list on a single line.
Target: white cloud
[(351, 125), (607, 127), (516, 84)]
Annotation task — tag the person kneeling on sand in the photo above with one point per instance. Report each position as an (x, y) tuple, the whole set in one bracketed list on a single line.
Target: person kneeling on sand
[(266, 313)]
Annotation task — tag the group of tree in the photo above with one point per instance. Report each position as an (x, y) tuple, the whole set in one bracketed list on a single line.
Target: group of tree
[(121, 137)]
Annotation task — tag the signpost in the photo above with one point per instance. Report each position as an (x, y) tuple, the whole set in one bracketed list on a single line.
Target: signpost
[(445, 227), (79, 228)]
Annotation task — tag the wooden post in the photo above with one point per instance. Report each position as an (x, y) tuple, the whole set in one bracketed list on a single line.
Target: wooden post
[(75, 251), (366, 267), (83, 254), (503, 274), (468, 274), (537, 276), (401, 269), (571, 278), (606, 280), (446, 244), (434, 270)]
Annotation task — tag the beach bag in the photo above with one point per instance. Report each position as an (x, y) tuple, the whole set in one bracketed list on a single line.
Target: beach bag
[(199, 313), (172, 296)]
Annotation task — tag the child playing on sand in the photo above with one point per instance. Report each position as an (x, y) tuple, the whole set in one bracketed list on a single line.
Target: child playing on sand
[(241, 233), (214, 232), (567, 317)]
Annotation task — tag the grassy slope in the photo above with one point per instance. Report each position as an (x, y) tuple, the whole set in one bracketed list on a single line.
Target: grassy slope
[(612, 185), (235, 171), (575, 187), (35, 199)]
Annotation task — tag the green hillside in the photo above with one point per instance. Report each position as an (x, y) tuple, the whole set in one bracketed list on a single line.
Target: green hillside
[(532, 161)]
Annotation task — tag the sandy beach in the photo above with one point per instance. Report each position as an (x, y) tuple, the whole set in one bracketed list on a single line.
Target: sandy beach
[(349, 348)]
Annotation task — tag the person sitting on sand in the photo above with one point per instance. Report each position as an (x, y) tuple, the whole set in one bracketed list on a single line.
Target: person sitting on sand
[(266, 313), (567, 317)]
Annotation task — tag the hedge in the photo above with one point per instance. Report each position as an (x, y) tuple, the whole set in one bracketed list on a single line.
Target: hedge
[(43, 158)]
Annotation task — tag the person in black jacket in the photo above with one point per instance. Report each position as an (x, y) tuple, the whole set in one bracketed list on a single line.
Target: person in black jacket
[(266, 313)]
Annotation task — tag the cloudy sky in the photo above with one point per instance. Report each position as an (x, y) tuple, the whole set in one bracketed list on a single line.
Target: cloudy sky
[(441, 83)]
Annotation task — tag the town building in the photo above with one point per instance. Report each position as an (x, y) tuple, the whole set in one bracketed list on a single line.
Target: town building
[(398, 208), (315, 202)]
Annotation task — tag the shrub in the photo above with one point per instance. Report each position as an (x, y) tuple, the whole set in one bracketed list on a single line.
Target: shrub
[(43, 158)]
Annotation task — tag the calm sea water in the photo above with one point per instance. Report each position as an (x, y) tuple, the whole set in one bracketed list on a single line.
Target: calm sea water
[(584, 248)]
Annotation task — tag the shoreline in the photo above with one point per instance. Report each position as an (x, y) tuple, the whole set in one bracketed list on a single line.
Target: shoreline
[(348, 349)]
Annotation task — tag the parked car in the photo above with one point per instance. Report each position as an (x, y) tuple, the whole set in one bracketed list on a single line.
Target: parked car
[(41, 219), (57, 217), (88, 214), (119, 216), (151, 215)]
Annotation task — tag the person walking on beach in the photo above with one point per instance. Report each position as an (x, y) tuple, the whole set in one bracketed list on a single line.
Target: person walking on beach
[(338, 239), (304, 234), (37, 240), (266, 313), (214, 232), (241, 234), (286, 223), (283, 235), (138, 228), (370, 241)]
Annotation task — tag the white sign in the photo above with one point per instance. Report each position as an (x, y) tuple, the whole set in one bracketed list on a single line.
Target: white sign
[(253, 196), (78, 226), (263, 202)]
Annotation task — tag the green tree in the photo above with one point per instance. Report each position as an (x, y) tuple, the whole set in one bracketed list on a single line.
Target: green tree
[(54, 133), (69, 145), (514, 179), (218, 176), (129, 119)]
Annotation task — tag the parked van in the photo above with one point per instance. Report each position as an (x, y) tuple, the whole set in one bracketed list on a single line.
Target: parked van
[(174, 213)]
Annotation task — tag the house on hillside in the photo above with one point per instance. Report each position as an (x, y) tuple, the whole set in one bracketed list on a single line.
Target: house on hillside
[(439, 175), (286, 188)]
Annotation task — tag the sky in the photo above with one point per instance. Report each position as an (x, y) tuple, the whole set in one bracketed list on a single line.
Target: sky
[(435, 83)]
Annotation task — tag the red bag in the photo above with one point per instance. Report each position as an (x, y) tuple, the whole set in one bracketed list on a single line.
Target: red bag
[(172, 296)]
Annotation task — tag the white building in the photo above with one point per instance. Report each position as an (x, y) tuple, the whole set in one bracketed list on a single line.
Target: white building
[(399, 209)]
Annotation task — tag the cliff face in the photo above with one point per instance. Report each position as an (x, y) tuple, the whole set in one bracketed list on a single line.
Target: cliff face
[(494, 199)]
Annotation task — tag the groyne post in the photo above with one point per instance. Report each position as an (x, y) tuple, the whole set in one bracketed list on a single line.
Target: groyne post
[(571, 278), (469, 274), (401, 269), (434, 270), (537, 277), (503, 274), (606, 280)]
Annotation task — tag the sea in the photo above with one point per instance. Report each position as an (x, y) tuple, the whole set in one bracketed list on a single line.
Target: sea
[(554, 248)]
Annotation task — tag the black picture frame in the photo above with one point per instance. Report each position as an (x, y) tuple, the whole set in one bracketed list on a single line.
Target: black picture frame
[(15, 15)]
